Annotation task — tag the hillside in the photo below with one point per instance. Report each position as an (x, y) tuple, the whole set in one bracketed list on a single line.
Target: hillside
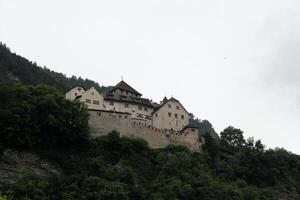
[(15, 68), (46, 153)]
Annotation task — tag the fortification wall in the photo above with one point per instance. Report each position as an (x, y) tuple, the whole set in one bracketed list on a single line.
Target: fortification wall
[(103, 122)]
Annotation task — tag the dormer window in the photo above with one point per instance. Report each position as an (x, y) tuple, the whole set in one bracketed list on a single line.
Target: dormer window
[(177, 107), (169, 106)]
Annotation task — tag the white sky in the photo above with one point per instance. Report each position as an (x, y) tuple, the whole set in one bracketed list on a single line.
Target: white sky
[(233, 62)]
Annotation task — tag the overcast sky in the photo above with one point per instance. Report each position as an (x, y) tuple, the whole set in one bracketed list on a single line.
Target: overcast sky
[(233, 62)]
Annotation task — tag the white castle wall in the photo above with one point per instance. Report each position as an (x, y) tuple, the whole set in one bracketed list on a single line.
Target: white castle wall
[(103, 122)]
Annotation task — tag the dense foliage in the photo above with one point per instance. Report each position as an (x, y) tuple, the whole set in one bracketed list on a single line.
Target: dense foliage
[(121, 168), (249, 161), (39, 117), (14, 68)]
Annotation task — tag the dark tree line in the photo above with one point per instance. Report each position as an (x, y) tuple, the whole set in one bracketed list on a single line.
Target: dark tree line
[(17, 69), (39, 117)]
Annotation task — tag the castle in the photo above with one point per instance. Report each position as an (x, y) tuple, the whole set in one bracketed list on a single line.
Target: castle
[(125, 110)]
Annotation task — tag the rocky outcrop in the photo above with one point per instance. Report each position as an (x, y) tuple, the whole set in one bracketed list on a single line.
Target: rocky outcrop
[(14, 165)]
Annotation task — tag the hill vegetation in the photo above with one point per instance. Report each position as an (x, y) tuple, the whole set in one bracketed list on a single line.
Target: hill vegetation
[(17, 69), (37, 118)]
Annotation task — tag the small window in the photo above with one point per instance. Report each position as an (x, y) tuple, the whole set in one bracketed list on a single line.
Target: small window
[(111, 103), (79, 89), (139, 115), (169, 106), (133, 111), (126, 105), (156, 115), (192, 129), (88, 101), (96, 102), (176, 115), (145, 108), (75, 94), (182, 116), (140, 108), (177, 107), (170, 114), (92, 93)]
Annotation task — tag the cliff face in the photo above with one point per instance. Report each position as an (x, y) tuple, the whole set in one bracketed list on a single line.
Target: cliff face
[(15, 165)]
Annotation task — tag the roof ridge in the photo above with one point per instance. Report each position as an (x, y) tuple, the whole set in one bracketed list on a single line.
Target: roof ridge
[(125, 86)]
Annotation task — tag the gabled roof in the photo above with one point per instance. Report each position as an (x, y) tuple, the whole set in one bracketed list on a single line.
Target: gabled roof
[(165, 100), (74, 86), (124, 86)]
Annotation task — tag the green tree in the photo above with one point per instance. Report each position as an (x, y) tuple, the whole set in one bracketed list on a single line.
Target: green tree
[(39, 116), (232, 139)]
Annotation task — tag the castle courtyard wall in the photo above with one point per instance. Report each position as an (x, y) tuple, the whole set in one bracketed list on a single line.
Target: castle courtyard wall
[(103, 122)]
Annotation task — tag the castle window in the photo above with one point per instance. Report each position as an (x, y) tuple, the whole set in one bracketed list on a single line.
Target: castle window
[(170, 114), (145, 108), (156, 115), (176, 115), (139, 115), (192, 129), (75, 94), (88, 101), (177, 107), (133, 110), (148, 117), (92, 93), (126, 105), (182, 116), (79, 89), (169, 106), (96, 102), (140, 108), (111, 103)]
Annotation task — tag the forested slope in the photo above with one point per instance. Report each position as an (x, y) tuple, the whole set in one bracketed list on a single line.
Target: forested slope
[(15, 68), (41, 131)]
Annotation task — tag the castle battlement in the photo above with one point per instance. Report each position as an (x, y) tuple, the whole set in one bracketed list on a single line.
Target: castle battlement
[(103, 122)]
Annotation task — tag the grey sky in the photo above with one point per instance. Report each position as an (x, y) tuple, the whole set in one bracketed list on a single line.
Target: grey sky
[(233, 62)]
